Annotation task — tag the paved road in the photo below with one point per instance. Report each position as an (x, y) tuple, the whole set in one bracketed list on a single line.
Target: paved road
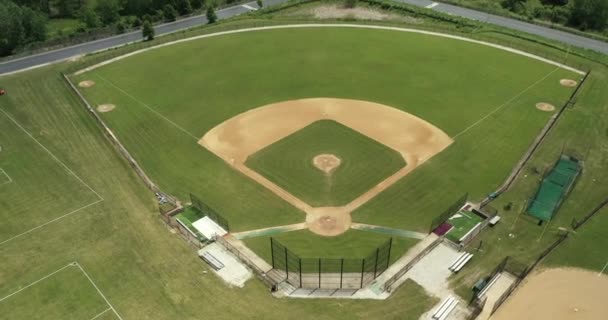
[(40, 59)]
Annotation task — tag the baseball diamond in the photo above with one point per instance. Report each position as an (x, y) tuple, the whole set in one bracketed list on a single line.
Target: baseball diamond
[(288, 157)]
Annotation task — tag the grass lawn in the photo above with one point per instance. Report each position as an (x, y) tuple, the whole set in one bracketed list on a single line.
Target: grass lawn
[(67, 294), (289, 163), (500, 87), (462, 223), (25, 205), (351, 244)]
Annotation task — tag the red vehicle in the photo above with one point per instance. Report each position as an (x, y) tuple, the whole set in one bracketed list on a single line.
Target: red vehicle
[(2, 92)]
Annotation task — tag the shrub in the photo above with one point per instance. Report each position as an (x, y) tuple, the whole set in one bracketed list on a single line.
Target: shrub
[(211, 16), (169, 13), (147, 31)]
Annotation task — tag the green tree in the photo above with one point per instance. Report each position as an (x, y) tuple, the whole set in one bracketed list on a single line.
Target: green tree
[(350, 3), (260, 3), (589, 14), (147, 31), (184, 7), (108, 11), (197, 4), (34, 25), (90, 18), (211, 16), (169, 13), (12, 34)]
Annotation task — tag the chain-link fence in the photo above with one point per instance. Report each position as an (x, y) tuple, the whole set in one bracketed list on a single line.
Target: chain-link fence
[(328, 273), (451, 210), (208, 212)]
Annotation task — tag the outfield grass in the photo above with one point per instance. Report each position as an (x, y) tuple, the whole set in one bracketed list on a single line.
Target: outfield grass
[(289, 163), (488, 79), (351, 244)]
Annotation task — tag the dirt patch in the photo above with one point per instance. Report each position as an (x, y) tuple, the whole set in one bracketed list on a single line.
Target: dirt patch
[(326, 163), (237, 138), (558, 294), (339, 12), (86, 83), (105, 107), (543, 106), (567, 83), (328, 221)]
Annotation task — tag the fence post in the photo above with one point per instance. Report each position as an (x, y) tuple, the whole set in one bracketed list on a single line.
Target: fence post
[(300, 266), (319, 273), (272, 252), (362, 270), (388, 258), (286, 265), (341, 271), (376, 262)]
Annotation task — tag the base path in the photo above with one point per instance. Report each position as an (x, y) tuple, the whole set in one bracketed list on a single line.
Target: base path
[(558, 294), (247, 133)]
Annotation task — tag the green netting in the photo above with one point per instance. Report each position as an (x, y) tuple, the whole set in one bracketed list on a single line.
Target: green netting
[(553, 188)]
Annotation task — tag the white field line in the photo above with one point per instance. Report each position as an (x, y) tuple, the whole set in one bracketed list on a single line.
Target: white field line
[(603, 269), (51, 221), (101, 313), (71, 264), (6, 174), (51, 154), (37, 281), (99, 291), (437, 34), (432, 5), (504, 104), (148, 107), (246, 6)]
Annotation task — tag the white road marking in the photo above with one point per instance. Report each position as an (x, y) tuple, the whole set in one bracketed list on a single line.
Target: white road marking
[(432, 5), (246, 6)]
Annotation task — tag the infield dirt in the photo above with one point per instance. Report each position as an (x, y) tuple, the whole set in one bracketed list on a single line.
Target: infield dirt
[(558, 294), (247, 133)]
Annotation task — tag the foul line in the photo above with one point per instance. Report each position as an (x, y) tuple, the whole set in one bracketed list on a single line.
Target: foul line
[(71, 264), (148, 107), (97, 288), (51, 154), (6, 174), (49, 222), (505, 104), (601, 272)]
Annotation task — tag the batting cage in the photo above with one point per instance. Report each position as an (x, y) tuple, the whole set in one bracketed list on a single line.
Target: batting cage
[(554, 188)]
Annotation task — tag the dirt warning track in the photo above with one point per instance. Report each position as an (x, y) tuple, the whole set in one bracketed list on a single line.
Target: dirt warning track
[(247, 133)]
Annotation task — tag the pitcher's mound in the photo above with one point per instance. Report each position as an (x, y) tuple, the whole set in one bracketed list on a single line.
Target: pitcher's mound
[(567, 83), (326, 162), (545, 107), (329, 221), (86, 84), (105, 107)]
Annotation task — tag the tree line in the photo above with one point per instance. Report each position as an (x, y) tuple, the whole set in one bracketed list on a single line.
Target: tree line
[(585, 15), (26, 21)]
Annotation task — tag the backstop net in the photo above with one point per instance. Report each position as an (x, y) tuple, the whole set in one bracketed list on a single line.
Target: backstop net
[(330, 273), (208, 212)]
